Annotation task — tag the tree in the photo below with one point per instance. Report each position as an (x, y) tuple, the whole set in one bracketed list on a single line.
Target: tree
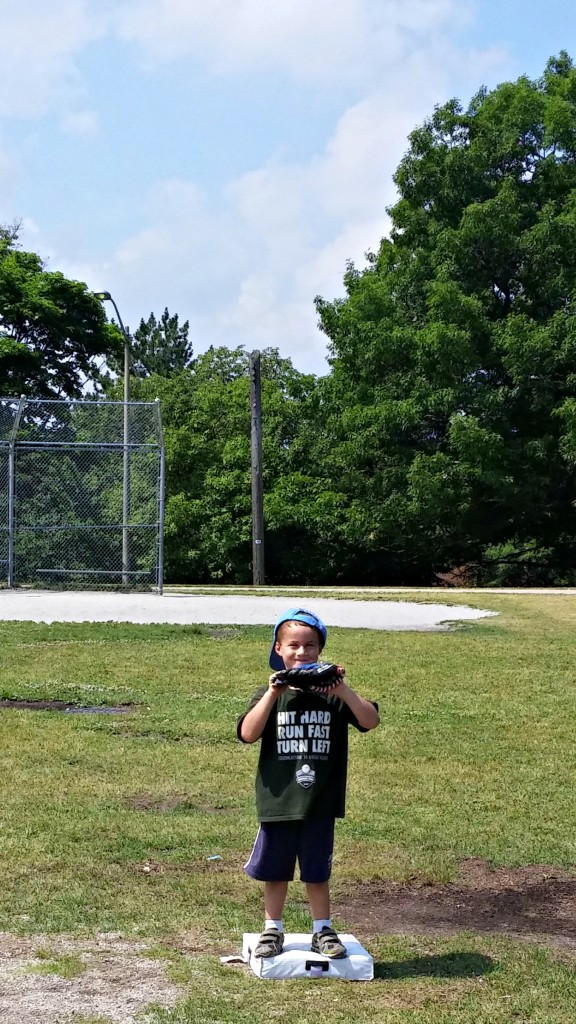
[(206, 419), (453, 391), (161, 347), (54, 335)]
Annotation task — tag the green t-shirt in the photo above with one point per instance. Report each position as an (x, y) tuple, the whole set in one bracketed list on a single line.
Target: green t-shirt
[(303, 756)]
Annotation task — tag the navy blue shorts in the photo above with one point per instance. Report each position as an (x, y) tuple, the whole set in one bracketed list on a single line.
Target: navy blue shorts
[(280, 843)]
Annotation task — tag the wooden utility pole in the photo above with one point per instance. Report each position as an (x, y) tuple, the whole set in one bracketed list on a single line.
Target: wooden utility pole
[(257, 489)]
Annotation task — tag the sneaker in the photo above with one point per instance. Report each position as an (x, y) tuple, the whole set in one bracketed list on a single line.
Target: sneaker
[(328, 944), (270, 943)]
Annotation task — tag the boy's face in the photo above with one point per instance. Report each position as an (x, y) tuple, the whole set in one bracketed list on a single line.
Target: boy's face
[(297, 644)]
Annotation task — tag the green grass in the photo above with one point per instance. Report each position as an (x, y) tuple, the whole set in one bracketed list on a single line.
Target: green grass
[(108, 822), (440, 982), (179, 968), (66, 965), (82, 1018)]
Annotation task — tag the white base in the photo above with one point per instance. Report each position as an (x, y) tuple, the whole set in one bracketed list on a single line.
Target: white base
[(297, 961)]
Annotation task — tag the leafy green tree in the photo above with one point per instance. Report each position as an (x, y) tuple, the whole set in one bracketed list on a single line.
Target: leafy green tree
[(161, 346), (206, 419), (453, 392), (54, 335)]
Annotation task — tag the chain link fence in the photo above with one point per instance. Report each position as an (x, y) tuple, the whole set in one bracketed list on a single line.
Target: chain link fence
[(81, 494)]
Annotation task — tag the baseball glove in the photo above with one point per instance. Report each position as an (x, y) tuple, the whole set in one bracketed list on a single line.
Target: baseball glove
[(322, 675)]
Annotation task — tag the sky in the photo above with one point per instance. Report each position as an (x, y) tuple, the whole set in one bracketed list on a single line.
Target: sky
[(226, 158)]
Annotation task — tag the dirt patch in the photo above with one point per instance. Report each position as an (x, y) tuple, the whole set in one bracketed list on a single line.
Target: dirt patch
[(119, 981), (537, 900), (177, 802)]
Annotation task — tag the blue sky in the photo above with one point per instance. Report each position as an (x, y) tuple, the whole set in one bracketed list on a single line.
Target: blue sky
[(225, 158)]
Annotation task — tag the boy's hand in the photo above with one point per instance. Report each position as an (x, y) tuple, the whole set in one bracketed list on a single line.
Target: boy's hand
[(274, 684), (338, 685)]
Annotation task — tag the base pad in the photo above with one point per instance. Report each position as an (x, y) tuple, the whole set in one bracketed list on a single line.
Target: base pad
[(297, 960)]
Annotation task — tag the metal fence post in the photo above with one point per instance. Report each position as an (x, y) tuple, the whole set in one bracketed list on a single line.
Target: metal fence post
[(12, 490)]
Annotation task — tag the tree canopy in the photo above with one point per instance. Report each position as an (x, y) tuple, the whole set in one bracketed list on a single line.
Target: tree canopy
[(206, 419), (54, 336), (454, 353), (161, 346)]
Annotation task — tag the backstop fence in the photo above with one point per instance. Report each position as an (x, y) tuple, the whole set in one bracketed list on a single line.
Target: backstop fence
[(81, 494)]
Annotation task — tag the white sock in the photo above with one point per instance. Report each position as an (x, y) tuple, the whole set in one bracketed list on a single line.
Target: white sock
[(269, 923), (324, 922)]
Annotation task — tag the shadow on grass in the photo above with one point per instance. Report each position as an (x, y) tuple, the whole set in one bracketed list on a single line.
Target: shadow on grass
[(450, 965)]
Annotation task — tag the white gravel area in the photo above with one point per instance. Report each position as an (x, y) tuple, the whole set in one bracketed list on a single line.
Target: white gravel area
[(48, 606), (118, 984)]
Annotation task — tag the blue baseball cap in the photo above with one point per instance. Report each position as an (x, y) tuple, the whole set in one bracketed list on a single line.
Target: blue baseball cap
[(295, 615)]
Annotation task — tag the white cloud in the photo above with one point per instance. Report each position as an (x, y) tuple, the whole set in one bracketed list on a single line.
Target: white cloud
[(29, 229), (8, 175), (245, 269), (39, 45), (84, 124), (312, 41), (244, 263)]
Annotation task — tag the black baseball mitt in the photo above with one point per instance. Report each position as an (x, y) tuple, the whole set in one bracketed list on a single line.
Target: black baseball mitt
[(322, 675)]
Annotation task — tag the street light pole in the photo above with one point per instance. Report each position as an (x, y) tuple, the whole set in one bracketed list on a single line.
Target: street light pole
[(106, 297)]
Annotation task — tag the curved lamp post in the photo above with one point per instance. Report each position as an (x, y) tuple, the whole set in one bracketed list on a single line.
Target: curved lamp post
[(106, 297)]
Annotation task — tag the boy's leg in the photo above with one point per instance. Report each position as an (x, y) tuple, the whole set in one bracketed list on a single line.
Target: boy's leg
[(272, 861), (315, 856), (319, 900), (274, 899), (271, 941)]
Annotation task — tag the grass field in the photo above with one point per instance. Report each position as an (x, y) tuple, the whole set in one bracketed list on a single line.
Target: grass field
[(108, 821)]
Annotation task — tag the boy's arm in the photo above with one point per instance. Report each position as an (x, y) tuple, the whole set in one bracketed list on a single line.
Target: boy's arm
[(365, 713), (254, 722)]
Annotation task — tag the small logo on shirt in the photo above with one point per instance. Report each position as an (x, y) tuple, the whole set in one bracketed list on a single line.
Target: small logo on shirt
[(305, 776)]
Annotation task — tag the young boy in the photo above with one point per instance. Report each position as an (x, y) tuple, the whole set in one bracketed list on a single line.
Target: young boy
[(301, 780)]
